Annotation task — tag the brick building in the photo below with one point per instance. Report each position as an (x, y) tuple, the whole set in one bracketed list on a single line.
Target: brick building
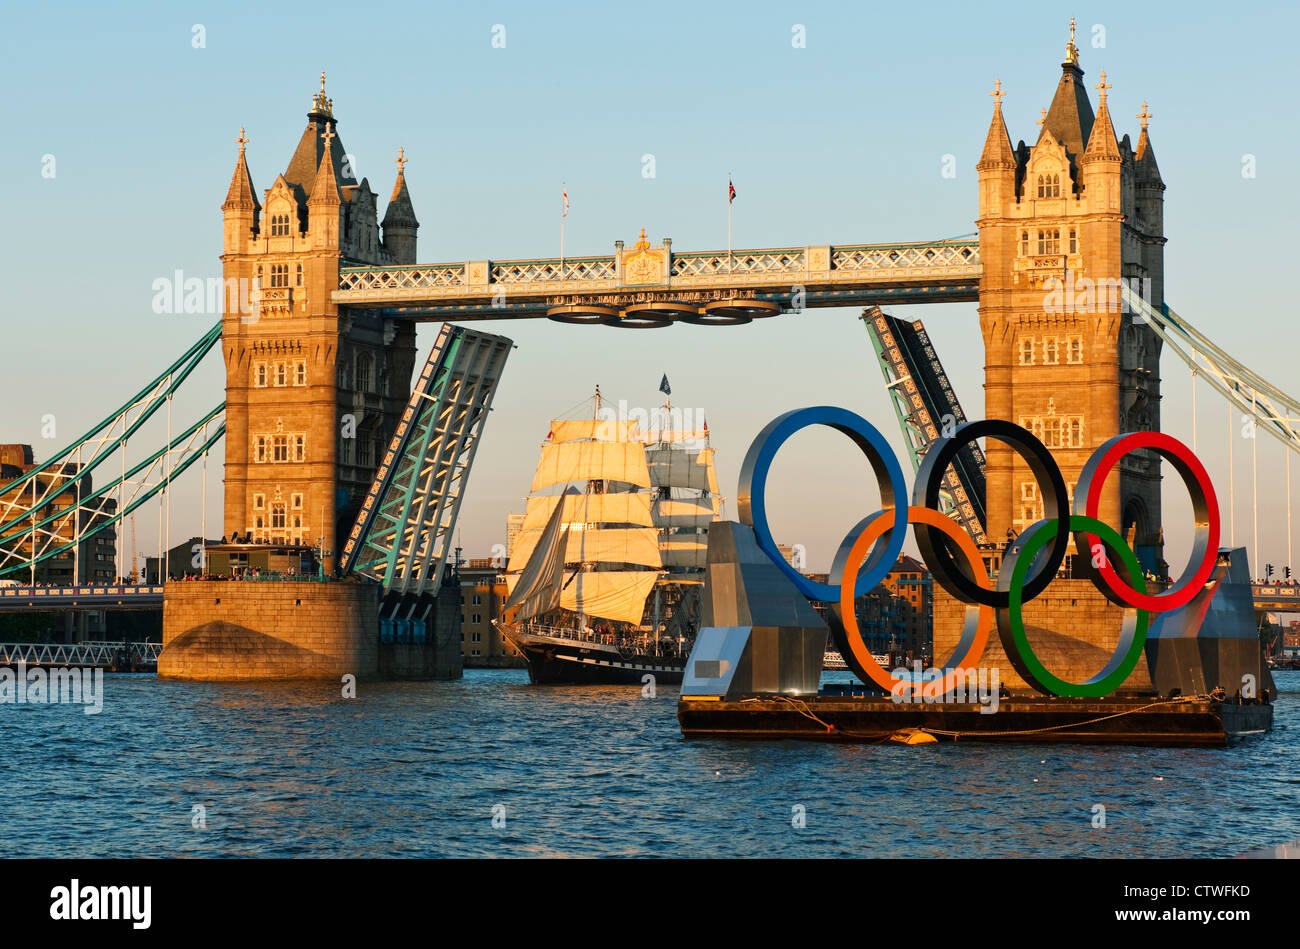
[(483, 593)]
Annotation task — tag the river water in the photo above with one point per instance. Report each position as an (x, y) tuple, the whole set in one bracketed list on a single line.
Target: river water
[(490, 766)]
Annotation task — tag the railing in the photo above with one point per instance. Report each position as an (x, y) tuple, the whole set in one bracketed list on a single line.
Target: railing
[(78, 654), (37, 593)]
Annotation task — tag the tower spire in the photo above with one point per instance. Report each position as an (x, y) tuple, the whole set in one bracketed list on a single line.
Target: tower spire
[(1101, 143), (241, 194), (1071, 51), (997, 144)]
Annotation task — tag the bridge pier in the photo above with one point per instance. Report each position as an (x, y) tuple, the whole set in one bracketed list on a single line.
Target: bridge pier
[(234, 630)]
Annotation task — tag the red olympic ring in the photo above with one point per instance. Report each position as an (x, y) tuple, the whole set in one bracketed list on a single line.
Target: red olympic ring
[(1205, 509)]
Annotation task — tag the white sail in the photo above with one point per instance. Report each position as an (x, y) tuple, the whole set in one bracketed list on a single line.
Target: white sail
[(675, 468), (685, 550), (590, 509), (591, 461), (632, 545), (684, 512), (616, 595)]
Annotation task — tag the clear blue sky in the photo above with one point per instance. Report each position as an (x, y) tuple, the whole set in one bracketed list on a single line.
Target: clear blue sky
[(839, 142)]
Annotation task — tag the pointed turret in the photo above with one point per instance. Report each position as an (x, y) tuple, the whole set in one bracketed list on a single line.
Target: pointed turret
[(324, 205), (241, 194), (1147, 169), (241, 207), (1069, 118), (1101, 143), (306, 159), (997, 144), (400, 225), (997, 164)]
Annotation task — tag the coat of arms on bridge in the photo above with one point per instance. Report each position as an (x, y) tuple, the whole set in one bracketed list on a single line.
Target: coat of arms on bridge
[(643, 264)]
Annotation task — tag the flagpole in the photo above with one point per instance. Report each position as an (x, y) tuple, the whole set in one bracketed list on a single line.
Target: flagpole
[(729, 222), (564, 212)]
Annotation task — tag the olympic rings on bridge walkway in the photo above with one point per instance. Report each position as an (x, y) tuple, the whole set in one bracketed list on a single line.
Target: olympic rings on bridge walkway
[(875, 542)]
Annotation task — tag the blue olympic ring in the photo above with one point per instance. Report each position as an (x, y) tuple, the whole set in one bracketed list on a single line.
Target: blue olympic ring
[(889, 474)]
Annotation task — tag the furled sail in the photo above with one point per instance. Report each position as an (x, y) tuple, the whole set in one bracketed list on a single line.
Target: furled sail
[(591, 461), (607, 508), (616, 595), (537, 588), (675, 468)]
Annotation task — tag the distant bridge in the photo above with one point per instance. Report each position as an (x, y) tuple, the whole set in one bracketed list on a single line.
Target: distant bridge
[(36, 599), (1276, 597), (650, 285)]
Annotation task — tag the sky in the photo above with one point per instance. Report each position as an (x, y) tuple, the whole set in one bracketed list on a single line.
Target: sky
[(841, 140)]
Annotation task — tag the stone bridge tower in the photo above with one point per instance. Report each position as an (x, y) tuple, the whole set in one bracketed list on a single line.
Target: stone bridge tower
[(1060, 224), (313, 391)]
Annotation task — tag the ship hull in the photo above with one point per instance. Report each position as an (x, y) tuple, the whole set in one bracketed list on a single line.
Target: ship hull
[(557, 661)]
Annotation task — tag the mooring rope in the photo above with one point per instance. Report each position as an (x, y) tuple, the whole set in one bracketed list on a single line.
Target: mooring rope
[(802, 708), (1052, 728)]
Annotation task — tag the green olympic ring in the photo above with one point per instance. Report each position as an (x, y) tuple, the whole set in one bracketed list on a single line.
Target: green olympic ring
[(1011, 627)]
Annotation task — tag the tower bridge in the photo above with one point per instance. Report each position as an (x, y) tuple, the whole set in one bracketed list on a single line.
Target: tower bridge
[(330, 446)]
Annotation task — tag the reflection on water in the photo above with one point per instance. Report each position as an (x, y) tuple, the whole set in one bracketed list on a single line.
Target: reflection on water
[(415, 769)]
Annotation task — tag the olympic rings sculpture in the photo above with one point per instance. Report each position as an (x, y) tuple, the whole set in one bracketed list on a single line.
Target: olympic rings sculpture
[(872, 546)]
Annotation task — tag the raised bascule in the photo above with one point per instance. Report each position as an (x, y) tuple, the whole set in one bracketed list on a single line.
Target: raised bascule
[(339, 466)]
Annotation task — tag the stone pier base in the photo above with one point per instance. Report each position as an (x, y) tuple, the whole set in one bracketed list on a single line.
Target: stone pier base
[(217, 630), (1072, 627)]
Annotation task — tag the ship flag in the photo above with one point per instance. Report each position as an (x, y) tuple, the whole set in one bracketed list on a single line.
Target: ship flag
[(664, 387)]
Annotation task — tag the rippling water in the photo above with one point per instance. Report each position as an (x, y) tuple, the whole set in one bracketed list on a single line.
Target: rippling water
[(416, 770)]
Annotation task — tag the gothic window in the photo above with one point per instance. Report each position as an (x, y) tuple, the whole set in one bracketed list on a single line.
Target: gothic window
[(365, 458), (297, 502), (345, 450), (298, 277), (1051, 433), (1024, 243), (259, 502), (260, 452), (279, 275), (281, 374), (1075, 354), (343, 374), (1028, 491), (1026, 352), (258, 282), (1042, 192), (1074, 241), (1049, 241), (300, 374), (277, 517), (261, 375), (299, 447), (1049, 351), (1076, 432), (280, 448), (279, 225), (364, 363), (1056, 186)]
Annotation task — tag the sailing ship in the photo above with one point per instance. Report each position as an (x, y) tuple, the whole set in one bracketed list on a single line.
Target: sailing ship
[(607, 570)]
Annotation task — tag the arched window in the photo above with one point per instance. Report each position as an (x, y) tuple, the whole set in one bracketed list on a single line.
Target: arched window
[(1074, 241), (298, 278), (1056, 186), (1076, 433), (281, 376), (1049, 350), (300, 374), (261, 375), (1024, 243), (1042, 190)]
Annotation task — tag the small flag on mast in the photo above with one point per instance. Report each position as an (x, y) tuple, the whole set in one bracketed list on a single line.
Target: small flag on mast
[(564, 211), (731, 190), (664, 387)]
